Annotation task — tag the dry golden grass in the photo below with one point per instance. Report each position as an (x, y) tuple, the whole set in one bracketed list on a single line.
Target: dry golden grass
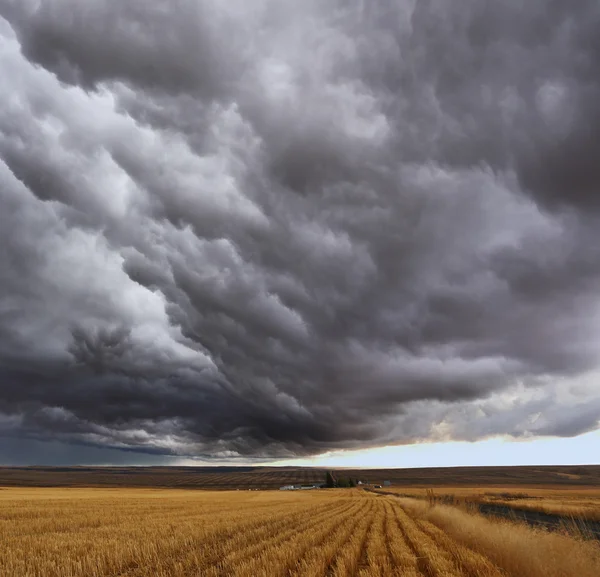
[(513, 548), (328, 533), (579, 502)]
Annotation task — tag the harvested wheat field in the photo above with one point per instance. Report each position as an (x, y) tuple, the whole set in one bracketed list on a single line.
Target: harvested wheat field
[(143, 532)]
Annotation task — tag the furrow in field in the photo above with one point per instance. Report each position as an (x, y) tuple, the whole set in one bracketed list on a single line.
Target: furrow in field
[(144, 546), (471, 563), (432, 560), (363, 562), (192, 543), (232, 536), (276, 546), (280, 558), (403, 559), (345, 560), (318, 559), (59, 523), (318, 549), (376, 561)]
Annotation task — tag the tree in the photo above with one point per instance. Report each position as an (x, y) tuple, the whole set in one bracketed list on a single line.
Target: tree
[(343, 483), (329, 482)]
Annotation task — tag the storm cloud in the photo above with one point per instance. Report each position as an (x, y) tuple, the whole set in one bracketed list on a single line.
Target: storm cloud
[(268, 228)]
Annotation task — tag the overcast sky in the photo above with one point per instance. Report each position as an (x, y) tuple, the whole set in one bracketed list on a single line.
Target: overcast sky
[(270, 229)]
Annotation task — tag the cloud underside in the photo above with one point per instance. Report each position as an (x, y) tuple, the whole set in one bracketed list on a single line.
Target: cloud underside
[(272, 228)]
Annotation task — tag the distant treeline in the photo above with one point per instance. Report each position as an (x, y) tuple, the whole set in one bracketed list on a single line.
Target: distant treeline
[(332, 481)]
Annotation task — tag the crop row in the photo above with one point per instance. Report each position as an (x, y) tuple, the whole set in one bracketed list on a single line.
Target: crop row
[(329, 533)]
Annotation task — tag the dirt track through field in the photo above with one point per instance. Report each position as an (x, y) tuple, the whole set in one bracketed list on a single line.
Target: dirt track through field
[(540, 519)]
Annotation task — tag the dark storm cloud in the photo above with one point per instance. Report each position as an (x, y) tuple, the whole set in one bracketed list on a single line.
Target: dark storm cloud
[(178, 49), (266, 229), (25, 452)]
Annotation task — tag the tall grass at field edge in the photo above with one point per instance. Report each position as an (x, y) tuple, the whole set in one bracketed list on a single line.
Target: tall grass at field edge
[(517, 549)]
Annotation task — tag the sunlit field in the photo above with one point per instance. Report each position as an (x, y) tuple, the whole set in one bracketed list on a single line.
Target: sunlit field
[(69, 532)]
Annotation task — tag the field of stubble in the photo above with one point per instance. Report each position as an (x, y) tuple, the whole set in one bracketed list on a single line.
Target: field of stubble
[(142, 532)]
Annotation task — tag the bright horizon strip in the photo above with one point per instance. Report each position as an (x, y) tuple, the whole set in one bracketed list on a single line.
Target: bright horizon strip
[(497, 451)]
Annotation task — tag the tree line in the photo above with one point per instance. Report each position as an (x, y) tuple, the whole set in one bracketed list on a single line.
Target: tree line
[(332, 481)]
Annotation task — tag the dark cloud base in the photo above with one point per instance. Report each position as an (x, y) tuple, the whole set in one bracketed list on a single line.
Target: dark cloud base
[(268, 229), (18, 452)]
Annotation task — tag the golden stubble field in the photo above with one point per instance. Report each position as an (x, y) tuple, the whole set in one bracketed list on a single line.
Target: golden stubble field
[(72, 532)]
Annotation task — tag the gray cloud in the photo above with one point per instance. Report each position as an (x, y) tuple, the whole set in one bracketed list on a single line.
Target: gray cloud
[(268, 229)]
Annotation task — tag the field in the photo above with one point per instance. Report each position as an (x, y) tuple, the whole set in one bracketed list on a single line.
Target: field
[(578, 502), (217, 478), (211, 478), (71, 532)]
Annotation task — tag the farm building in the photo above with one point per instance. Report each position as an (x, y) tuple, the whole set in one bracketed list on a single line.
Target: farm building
[(298, 487)]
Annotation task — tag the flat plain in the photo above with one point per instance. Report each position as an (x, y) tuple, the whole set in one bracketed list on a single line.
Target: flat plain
[(224, 478), (91, 532), (154, 521)]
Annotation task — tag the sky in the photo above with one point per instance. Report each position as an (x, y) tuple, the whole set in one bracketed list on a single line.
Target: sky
[(299, 232), (498, 451)]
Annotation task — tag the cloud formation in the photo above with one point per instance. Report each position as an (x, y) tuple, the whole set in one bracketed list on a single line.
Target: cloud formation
[(271, 228)]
